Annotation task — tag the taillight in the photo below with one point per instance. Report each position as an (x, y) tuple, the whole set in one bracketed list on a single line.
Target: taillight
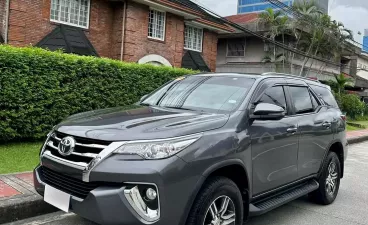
[(343, 117)]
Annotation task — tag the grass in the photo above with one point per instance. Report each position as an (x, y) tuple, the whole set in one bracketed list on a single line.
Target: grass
[(19, 157), (351, 128), (364, 123)]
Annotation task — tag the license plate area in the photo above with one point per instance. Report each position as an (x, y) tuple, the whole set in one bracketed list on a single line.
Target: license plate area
[(57, 198)]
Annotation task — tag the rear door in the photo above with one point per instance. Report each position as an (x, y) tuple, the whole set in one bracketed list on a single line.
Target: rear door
[(314, 127)]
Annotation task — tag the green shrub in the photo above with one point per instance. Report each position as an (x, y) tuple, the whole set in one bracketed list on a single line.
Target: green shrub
[(351, 105), (39, 88)]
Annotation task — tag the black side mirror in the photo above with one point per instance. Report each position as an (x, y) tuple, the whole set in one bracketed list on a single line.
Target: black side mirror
[(266, 111)]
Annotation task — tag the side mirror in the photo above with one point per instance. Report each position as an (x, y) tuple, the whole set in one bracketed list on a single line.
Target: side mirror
[(142, 98), (268, 111)]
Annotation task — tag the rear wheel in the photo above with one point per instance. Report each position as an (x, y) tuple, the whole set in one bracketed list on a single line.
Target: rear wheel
[(329, 181), (218, 203)]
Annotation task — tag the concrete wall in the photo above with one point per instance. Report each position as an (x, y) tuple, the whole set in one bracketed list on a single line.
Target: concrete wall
[(254, 54)]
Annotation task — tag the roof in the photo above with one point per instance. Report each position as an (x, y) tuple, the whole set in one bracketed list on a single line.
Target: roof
[(194, 60), (70, 39), (193, 7), (243, 18)]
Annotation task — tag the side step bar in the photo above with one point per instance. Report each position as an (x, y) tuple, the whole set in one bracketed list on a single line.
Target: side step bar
[(262, 206)]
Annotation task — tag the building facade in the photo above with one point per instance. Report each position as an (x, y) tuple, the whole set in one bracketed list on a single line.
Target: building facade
[(166, 32), (254, 6)]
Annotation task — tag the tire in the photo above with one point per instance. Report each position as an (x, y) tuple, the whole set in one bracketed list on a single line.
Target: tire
[(325, 194), (216, 190)]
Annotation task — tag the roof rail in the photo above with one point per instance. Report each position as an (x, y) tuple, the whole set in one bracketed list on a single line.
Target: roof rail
[(289, 75)]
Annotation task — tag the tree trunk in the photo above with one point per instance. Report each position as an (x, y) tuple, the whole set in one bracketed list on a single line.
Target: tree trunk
[(310, 67), (283, 52), (292, 57), (306, 59)]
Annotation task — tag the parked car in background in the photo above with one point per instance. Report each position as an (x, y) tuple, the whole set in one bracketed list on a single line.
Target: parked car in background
[(206, 149)]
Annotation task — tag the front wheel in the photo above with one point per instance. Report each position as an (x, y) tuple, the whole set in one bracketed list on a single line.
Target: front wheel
[(329, 181), (218, 203)]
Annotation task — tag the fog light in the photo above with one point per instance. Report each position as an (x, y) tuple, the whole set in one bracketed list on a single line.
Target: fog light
[(151, 194)]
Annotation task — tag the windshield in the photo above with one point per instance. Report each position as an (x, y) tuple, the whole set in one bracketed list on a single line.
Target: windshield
[(204, 93)]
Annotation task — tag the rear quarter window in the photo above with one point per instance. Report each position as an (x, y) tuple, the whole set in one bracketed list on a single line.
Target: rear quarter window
[(326, 95)]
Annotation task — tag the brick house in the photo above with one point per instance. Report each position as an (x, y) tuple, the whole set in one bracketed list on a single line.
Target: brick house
[(170, 32)]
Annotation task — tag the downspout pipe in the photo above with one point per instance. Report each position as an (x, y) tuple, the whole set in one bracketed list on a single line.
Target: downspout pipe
[(7, 9), (123, 31)]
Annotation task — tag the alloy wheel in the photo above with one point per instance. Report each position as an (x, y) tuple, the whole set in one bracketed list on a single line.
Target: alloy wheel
[(220, 212), (331, 180)]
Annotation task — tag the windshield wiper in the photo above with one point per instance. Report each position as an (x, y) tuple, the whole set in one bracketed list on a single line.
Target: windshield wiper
[(175, 107), (145, 104)]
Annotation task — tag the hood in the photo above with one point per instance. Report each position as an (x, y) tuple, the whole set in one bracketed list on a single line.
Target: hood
[(139, 123)]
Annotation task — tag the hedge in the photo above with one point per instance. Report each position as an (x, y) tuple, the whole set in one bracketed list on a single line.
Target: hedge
[(39, 88)]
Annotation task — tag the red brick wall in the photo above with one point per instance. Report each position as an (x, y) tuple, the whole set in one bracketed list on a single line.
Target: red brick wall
[(2, 17), (138, 45), (29, 22), (210, 49)]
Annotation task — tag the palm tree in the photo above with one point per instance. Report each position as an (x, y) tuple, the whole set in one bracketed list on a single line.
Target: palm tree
[(342, 82), (275, 60), (277, 23), (302, 28)]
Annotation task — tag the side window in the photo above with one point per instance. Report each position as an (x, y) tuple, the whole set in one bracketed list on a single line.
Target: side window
[(326, 95), (314, 101), (274, 95), (301, 99)]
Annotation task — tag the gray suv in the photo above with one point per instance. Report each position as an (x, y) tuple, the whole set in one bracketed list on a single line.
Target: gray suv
[(207, 149)]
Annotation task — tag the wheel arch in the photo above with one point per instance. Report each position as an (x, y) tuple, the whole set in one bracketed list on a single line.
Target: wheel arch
[(220, 169), (337, 147)]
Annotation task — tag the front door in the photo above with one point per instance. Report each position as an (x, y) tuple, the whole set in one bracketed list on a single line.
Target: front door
[(274, 143)]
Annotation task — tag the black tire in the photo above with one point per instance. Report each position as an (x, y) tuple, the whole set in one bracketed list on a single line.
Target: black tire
[(324, 194), (215, 188)]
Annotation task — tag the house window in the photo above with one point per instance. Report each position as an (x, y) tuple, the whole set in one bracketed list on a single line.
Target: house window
[(193, 38), (156, 25), (71, 12), (236, 47)]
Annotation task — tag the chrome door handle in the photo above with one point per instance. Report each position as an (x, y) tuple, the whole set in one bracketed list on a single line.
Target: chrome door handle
[(292, 130), (326, 124)]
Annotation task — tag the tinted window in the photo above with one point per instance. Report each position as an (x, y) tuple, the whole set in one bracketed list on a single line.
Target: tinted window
[(274, 95), (326, 95), (314, 101), (208, 93), (302, 100)]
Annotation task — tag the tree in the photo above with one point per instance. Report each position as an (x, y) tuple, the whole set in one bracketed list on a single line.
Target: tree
[(277, 23), (342, 82), (275, 60)]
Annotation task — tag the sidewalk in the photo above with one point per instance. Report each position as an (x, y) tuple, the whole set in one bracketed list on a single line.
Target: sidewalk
[(19, 200)]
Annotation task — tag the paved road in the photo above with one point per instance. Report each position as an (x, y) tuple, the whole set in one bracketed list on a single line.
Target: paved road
[(350, 207)]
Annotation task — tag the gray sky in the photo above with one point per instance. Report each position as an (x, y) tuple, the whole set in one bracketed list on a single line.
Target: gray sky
[(352, 13)]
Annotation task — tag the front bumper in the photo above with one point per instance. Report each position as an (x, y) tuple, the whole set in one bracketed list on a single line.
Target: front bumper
[(108, 205)]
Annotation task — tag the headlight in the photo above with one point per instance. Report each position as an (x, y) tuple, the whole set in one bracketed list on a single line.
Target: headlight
[(159, 149)]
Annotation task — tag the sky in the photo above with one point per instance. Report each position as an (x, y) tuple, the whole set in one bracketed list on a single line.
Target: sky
[(352, 13)]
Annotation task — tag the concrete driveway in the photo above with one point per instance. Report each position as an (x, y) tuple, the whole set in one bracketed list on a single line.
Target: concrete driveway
[(350, 207)]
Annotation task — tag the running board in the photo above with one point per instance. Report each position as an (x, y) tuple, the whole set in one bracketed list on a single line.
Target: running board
[(262, 206)]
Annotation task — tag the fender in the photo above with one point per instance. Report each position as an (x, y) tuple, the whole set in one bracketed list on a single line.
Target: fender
[(205, 174), (325, 156)]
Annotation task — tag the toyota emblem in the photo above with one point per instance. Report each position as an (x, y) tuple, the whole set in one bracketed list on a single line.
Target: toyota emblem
[(66, 146)]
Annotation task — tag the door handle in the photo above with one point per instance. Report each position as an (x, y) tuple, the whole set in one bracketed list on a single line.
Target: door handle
[(292, 130), (326, 124)]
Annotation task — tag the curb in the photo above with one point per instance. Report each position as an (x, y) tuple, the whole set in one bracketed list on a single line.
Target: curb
[(22, 208), (355, 140)]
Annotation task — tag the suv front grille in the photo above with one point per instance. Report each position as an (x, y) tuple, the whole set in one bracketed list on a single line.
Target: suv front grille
[(84, 152), (67, 184)]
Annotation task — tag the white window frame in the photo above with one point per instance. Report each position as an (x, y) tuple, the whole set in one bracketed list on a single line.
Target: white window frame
[(227, 48), (72, 24), (164, 25), (202, 38)]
